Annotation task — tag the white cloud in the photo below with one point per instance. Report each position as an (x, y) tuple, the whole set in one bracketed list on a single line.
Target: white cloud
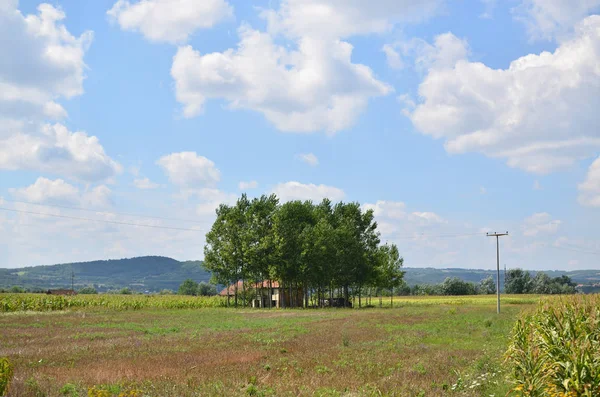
[(309, 159), (248, 185), (332, 19), (589, 190), (547, 19), (47, 191), (307, 84), (170, 21), (446, 50), (315, 88), (489, 6), (42, 61), (540, 114), (482, 190), (429, 217), (387, 209), (540, 223), (145, 184), (394, 59), (60, 151), (187, 169), (209, 200), (290, 191), (537, 185)]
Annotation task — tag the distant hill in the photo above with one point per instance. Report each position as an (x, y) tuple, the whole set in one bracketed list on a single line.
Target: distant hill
[(154, 273)]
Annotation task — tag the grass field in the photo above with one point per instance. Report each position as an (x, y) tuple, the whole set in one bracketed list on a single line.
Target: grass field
[(421, 347)]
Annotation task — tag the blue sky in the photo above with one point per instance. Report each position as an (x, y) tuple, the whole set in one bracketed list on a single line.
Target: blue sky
[(447, 118)]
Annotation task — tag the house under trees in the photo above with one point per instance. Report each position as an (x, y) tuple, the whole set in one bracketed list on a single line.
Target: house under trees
[(259, 294)]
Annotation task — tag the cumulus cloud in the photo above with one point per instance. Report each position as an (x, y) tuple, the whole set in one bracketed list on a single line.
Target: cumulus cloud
[(187, 169), (145, 184), (248, 185), (309, 159), (540, 114), (60, 151), (390, 213), (59, 192), (547, 19), (540, 223), (314, 88), (589, 190), (290, 191), (332, 19), (307, 84), (171, 21), (42, 61)]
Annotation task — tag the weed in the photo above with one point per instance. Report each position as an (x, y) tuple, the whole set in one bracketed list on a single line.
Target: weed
[(69, 390)]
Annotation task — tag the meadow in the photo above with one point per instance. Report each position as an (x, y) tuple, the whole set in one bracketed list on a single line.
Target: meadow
[(421, 346)]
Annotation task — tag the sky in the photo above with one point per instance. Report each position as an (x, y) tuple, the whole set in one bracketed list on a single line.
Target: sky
[(124, 124)]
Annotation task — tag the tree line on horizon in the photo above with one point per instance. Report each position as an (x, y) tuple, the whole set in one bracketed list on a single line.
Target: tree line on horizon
[(324, 250)]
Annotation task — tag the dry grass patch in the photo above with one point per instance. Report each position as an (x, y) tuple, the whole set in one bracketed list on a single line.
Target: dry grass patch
[(409, 350)]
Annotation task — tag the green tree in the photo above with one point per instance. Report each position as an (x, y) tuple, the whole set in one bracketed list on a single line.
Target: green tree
[(487, 286), (456, 286), (206, 289), (518, 281), (188, 287), (389, 270), (89, 290)]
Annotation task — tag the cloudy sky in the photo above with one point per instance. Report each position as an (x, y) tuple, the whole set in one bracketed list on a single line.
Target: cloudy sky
[(447, 118)]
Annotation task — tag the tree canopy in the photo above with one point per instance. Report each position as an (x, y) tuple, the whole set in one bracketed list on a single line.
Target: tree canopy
[(322, 249)]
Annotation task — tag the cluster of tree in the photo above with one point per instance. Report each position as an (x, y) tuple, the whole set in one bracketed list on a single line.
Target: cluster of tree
[(519, 281), (190, 287), (320, 249), (450, 286), (89, 290)]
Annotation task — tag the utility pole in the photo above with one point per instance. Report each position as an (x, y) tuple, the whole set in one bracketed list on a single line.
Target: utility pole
[(497, 235)]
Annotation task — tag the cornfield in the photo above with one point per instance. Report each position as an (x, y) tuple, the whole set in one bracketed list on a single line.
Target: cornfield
[(555, 351), (42, 302)]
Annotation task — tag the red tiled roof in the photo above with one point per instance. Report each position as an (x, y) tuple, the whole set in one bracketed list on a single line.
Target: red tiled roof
[(240, 286)]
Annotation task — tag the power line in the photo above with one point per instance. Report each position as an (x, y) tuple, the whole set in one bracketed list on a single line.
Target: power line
[(99, 220), (98, 211)]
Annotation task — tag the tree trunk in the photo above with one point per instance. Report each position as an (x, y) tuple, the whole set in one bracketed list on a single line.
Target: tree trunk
[(235, 292), (270, 294), (305, 295), (392, 297), (380, 299), (346, 296)]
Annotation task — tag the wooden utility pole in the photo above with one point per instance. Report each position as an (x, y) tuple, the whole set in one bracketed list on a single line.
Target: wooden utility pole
[(497, 235)]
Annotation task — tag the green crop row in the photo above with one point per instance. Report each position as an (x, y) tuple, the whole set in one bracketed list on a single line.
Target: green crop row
[(41, 302), (555, 351)]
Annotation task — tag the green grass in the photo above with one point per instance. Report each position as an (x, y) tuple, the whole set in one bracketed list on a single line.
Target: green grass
[(423, 345)]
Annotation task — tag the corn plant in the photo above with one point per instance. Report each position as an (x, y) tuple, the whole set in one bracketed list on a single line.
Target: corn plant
[(555, 351), (6, 374), (40, 302)]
